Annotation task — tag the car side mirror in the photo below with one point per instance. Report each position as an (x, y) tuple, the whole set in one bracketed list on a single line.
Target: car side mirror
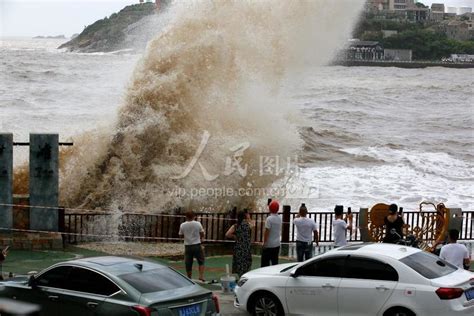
[(32, 282), (294, 273)]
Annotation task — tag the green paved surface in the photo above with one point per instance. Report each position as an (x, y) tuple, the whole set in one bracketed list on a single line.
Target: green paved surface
[(23, 261)]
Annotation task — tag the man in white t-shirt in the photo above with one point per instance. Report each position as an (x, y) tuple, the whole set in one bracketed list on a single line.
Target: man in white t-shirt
[(340, 227), (454, 253), (305, 229), (193, 233), (271, 236)]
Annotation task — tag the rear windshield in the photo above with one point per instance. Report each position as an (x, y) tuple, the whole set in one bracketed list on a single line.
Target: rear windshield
[(428, 265), (155, 280)]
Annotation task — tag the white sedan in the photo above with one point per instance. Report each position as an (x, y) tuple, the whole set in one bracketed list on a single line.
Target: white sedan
[(362, 279)]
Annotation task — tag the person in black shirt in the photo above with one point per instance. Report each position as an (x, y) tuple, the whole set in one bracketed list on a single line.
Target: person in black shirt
[(393, 221)]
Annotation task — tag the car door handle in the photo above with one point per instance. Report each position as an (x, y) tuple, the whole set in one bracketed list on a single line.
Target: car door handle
[(382, 288), (92, 304), (53, 298), (328, 286)]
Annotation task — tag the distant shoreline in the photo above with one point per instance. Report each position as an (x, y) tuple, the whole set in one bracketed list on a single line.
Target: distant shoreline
[(402, 64), (50, 37)]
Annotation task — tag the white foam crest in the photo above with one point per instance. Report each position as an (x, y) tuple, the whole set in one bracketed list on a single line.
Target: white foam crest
[(366, 186), (439, 163)]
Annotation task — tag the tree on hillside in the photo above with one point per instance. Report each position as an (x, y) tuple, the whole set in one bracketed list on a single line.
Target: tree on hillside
[(428, 45)]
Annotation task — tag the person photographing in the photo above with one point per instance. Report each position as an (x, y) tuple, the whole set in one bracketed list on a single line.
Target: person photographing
[(306, 233), (271, 236), (340, 226), (393, 221)]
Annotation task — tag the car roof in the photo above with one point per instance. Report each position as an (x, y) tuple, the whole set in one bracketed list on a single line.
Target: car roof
[(394, 251), (116, 265)]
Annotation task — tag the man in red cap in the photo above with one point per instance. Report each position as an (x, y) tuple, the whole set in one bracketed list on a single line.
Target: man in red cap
[(271, 236)]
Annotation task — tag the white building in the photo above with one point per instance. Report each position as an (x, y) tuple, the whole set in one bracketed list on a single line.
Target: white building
[(463, 10), (437, 12), (400, 5), (452, 10)]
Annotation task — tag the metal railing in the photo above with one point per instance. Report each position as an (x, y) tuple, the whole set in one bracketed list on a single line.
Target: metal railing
[(87, 227)]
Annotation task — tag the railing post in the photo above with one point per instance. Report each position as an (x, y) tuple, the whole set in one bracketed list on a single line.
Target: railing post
[(61, 223), (364, 225), (285, 229), (176, 223)]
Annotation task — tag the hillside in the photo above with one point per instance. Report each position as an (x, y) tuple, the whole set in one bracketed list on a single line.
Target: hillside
[(122, 30), (426, 40)]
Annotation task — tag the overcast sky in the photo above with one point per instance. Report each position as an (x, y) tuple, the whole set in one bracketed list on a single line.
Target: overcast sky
[(55, 17), (450, 3)]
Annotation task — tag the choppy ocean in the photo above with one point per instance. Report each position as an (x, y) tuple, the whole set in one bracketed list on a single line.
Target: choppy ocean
[(370, 134)]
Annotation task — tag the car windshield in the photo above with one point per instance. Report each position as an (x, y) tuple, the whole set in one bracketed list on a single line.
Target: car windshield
[(155, 280), (428, 265)]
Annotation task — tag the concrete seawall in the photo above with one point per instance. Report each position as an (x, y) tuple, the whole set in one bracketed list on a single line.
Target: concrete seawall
[(402, 64)]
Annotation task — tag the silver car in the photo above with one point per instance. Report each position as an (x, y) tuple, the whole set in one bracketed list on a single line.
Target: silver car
[(112, 286)]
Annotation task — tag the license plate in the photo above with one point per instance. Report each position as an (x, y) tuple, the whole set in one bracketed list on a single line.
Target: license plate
[(469, 293), (191, 310)]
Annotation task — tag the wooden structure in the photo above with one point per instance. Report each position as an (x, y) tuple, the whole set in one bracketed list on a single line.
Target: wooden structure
[(430, 228)]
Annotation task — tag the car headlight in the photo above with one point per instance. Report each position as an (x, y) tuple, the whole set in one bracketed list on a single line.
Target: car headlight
[(242, 281)]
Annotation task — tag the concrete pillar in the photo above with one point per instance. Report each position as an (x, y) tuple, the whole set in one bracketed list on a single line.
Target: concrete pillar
[(44, 154), (6, 181)]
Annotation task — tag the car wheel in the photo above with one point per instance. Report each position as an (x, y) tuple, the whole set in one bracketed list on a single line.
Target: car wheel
[(399, 311), (266, 304)]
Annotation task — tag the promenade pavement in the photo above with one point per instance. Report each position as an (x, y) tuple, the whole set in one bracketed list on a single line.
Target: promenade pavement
[(227, 305)]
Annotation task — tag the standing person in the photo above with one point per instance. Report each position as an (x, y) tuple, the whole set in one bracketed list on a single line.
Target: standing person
[(305, 228), (241, 232), (340, 227), (393, 221), (454, 253), (193, 234), (3, 256), (271, 236)]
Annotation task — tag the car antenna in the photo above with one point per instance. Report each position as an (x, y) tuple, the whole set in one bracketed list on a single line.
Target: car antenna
[(139, 266)]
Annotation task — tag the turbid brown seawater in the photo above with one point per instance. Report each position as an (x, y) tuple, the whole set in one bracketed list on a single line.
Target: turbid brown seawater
[(246, 75)]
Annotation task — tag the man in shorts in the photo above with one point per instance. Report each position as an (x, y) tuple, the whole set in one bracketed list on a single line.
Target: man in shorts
[(193, 234)]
